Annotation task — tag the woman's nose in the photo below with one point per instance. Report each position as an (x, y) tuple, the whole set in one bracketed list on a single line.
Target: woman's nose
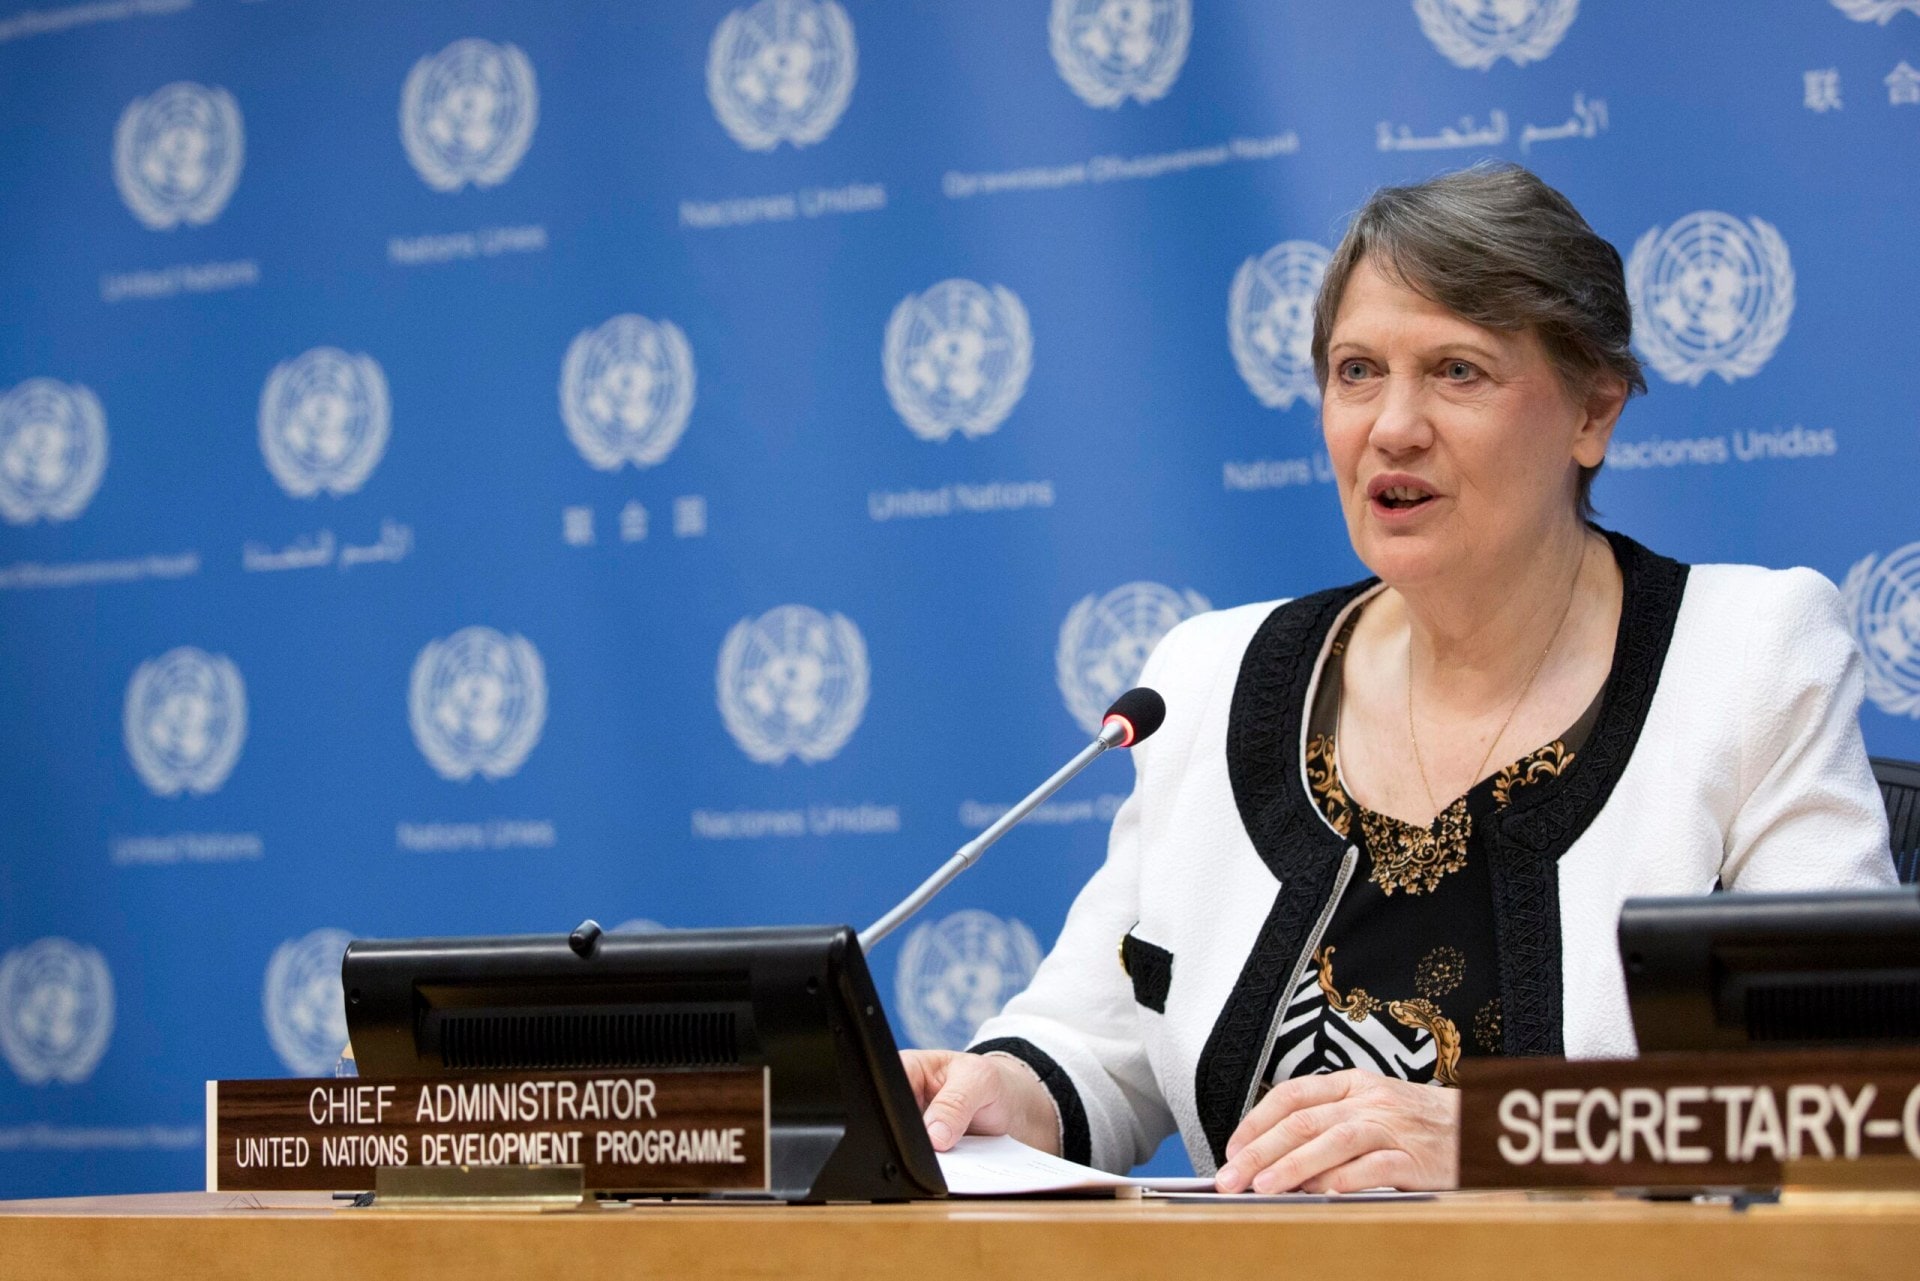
[(1402, 424)]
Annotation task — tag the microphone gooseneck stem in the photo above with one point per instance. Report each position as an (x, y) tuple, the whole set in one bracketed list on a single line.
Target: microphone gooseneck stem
[(1110, 734)]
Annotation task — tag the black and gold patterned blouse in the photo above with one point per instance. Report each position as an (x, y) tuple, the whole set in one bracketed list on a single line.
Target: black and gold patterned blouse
[(1405, 979)]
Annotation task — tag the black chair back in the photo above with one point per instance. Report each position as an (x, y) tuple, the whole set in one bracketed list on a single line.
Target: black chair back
[(1900, 789)]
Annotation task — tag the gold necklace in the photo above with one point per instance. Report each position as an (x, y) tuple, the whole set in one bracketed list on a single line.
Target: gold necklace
[(1413, 858), (1532, 674)]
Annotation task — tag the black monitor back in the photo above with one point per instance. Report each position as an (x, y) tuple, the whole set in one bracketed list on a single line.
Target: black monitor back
[(796, 1000), (1773, 971)]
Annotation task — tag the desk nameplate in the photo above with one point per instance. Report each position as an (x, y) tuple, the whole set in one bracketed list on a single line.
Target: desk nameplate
[(1686, 1120), (629, 1131)]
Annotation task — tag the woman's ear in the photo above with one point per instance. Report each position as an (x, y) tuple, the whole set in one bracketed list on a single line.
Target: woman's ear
[(1603, 403)]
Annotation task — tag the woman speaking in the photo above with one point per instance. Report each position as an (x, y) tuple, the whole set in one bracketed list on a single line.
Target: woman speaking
[(1391, 825)]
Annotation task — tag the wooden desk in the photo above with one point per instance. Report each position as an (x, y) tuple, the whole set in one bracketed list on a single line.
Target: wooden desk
[(293, 1236)]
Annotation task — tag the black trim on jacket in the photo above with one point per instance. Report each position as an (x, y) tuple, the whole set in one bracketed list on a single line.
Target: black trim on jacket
[(1150, 968), (1303, 853), (1076, 1137)]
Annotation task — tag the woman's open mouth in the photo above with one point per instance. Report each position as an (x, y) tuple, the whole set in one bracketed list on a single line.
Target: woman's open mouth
[(1402, 498), (1397, 494)]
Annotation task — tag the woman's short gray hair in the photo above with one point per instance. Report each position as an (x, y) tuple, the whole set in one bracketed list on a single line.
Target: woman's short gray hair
[(1501, 248)]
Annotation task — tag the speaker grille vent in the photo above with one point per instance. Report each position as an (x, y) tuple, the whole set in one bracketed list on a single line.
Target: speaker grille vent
[(1834, 1011), (580, 1040)]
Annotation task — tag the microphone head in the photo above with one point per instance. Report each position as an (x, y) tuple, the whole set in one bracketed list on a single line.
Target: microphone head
[(1140, 710)]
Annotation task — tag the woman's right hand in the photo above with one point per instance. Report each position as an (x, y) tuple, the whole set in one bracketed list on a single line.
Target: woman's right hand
[(961, 1093)]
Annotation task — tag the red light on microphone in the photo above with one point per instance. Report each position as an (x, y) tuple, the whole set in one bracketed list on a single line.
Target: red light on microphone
[(1139, 712)]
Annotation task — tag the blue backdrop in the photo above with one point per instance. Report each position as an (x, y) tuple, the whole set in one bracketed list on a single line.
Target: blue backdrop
[(468, 467)]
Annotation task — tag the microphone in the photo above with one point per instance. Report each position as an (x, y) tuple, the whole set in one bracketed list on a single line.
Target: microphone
[(1134, 716), (1140, 711)]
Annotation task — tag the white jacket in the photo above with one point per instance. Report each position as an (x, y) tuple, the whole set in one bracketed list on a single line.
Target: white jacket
[(1728, 747)]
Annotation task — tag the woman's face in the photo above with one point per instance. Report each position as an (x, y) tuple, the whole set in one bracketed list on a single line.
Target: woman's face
[(1455, 447)]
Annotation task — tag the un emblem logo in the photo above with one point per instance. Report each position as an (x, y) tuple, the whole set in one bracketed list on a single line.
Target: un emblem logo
[(185, 721), (1711, 295), (781, 70), (1883, 605), (792, 682), (477, 703), (323, 422), (56, 1011), (53, 450), (1880, 11), (1478, 33), (956, 358), (626, 390), (303, 1003), (467, 114), (1270, 322), (1105, 642), (1112, 50), (957, 973), (177, 155)]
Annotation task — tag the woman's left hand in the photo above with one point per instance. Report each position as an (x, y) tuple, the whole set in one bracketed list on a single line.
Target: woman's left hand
[(1343, 1132)]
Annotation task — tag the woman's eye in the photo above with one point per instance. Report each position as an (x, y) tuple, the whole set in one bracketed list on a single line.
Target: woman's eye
[(1353, 370), (1460, 371)]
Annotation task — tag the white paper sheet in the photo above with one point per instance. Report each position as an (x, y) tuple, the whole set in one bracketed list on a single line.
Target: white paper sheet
[(1206, 1196), (979, 1165)]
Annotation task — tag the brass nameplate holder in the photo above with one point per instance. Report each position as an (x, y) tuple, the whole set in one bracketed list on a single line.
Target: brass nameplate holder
[(480, 1187), (1737, 1120), (631, 1131)]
